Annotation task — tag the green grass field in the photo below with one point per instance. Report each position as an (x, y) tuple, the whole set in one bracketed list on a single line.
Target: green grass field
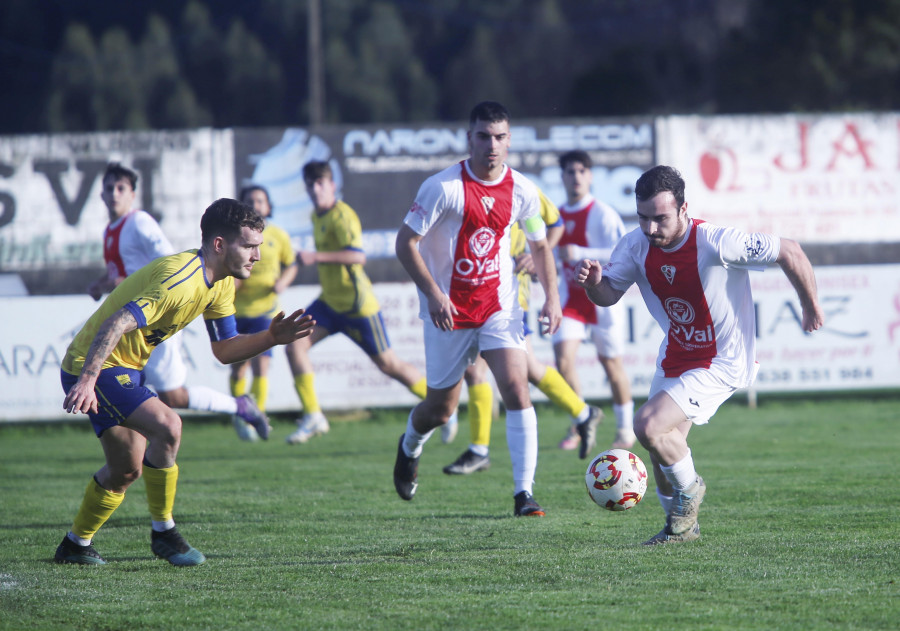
[(800, 531)]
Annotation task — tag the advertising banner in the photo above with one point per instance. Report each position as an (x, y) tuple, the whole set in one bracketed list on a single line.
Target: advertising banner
[(816, 179), (859, 347), (378, 169), (51, 214)]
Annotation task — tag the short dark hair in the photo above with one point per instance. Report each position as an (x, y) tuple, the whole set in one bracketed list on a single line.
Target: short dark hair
[(576, 155), (315, 170), (225, 218), (488, 111), (657, 180), (245, 193), (118, 171)]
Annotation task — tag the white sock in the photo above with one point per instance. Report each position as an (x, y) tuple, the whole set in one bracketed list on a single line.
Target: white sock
[(208, 400), (581, 418), (624, 416), (413, 441), (522, 440), (78, 540), (665, 500), (480, 450), (681, 474), (162, 526)]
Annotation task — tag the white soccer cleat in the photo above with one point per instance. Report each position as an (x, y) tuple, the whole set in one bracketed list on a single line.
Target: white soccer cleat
[(244, 430), (309, 426), (449, 429)]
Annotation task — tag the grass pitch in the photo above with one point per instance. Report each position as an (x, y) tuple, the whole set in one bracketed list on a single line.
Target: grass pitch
[(800, 531)]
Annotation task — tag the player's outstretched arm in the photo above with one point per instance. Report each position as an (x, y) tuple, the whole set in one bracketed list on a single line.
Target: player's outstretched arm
[(589, 274), (282, 330), (796, 266), (82, 397)]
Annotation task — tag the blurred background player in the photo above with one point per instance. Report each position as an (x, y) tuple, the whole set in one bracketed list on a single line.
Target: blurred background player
[(256, 301), (454, 244), (347, 303), (694, 278), (546, 378), (133, 239), (592, 230), (102, 373)]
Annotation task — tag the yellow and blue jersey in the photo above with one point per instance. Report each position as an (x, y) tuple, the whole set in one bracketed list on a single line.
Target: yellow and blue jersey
[(550, 215), (345, 288), (164, 296), (256, 296)]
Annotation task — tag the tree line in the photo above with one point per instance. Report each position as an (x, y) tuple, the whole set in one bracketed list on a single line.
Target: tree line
[(83, 66)]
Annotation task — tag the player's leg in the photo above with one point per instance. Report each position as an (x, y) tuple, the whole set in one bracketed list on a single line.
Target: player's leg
[(260, 389), (481, 399), (447, 353), (566, 342), (237, 379), (313, 422), (608, 336)]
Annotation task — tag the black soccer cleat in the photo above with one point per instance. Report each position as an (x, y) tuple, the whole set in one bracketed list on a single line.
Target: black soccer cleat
[(468, 462), (406, 473), (587, 430), (172, 547), (526, 506), (70, 552)]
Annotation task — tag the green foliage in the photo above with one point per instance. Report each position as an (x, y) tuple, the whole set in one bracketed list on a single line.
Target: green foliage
[(799, 532)]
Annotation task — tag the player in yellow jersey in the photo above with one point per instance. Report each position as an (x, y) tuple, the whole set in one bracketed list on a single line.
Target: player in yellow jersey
[(548, 380), (256, 301), (347, 303), (102, 372)]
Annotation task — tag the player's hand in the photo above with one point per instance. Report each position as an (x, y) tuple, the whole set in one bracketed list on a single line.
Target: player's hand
[(550, 318), (306, 257), (81, 398), (286, 329), (524, 263), (94, 291), (588, 273), (813, 318), (442, 311)]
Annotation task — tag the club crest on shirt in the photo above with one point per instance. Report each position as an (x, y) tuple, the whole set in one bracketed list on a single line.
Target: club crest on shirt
[(679, 310), (669, 272), (482, 241), (488, 203)]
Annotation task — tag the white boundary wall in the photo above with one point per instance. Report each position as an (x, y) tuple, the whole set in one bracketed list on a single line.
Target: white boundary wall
[(858, 348)]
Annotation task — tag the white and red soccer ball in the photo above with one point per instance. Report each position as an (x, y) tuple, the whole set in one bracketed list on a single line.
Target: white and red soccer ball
[(616, 480)]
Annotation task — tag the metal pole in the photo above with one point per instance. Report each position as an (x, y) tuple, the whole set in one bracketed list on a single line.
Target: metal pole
[(316, 86)]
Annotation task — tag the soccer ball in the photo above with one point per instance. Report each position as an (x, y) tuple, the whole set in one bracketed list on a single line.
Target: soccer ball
[(616, 480)]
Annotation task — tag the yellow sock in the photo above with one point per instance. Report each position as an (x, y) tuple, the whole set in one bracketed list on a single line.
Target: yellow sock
[(481, 400), (96, 507), (306, 390), (260, 391), (560, 392), (238, 386), (419, 388), (160, 485)]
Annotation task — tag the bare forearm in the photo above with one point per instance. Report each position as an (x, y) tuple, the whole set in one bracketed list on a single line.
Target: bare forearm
[(243, 347), (108, 336)]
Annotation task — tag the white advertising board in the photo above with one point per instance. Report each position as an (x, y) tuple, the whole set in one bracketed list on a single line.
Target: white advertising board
[(816, 179), (858, 348)]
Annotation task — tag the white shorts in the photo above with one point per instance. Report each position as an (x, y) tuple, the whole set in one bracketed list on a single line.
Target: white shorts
[(448, 353), (608, 335), (165, 370), (698, 393)]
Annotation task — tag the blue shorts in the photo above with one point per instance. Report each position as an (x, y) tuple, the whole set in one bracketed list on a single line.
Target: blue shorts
[(120, 391), (367, 332), (246, 326)]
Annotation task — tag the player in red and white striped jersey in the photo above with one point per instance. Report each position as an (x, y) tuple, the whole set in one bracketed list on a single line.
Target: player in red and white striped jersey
[(694, 279), (455, 244)]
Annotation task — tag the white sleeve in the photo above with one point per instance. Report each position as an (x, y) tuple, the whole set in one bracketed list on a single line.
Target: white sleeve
[(605, 229), (745, 250), (429, 203), (153, 241), (529, 207), (622, 270)]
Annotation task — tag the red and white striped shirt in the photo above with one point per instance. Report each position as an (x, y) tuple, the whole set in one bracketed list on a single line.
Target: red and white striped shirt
[(699, 293), (464, 223)]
